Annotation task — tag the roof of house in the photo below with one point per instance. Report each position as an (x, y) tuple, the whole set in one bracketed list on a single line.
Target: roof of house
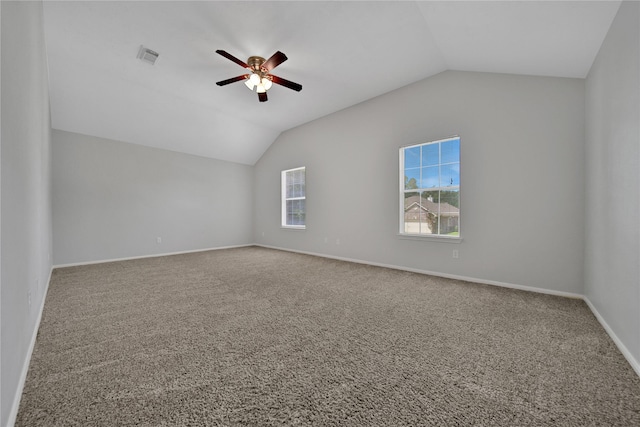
[(430, 206)]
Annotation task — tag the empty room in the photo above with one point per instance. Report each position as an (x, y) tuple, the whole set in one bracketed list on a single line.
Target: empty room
[(347, 213)]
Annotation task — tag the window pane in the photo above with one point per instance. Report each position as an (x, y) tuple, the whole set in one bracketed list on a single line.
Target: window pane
[(290, 183), (295, 212), (450, 175), (430, 155), (451, 197), (299, 180), (412, 212), (430, 213), (412, 157), (295, 183), (411, 179), (449, 212), (430, 177), (430, 199), (450, 151), (425, 226)]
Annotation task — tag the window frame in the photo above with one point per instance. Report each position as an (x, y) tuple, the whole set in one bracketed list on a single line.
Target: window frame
[(284, 199), (401, 205)]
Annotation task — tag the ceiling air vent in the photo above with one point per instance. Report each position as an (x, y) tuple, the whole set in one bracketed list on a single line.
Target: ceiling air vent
[(147, 55)]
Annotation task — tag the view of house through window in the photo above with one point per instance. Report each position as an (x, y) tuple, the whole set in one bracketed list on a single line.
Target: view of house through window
[(293, 198), (430, 188)]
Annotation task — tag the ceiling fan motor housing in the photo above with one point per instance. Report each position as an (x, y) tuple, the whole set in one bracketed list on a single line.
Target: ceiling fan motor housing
[(256, 63)]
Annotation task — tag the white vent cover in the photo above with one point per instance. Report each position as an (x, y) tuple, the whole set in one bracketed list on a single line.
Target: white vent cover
[(147, 55)]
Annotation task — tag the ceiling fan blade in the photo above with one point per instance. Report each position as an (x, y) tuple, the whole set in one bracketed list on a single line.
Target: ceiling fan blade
[(286, 83), (262, 96), (232, 58), (275, 60), (233, 80)]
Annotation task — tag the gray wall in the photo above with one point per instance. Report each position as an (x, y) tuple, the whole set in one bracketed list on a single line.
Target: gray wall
[(112, 200), (612, 255), (25, 215), (522, 179)]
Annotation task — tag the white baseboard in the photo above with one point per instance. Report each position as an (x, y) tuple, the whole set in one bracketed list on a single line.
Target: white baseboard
[(623, 349), (25, 365), (102, 261), (436, 273)]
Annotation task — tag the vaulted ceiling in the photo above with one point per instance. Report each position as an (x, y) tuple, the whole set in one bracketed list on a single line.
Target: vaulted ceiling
[(342, 52)]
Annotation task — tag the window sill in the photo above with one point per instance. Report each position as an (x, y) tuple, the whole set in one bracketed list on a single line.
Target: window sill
[(293, 227), (441, 239)]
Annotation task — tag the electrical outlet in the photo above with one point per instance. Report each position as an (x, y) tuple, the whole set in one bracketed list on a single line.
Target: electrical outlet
[(337, 241), (263, 234), (29, 298), (455, 254), (158, 239)]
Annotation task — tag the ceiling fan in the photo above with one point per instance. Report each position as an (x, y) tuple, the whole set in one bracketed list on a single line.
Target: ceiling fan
[(260, 78)]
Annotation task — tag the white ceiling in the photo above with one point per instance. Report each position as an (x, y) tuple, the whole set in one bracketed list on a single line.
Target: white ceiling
[(341, 52)]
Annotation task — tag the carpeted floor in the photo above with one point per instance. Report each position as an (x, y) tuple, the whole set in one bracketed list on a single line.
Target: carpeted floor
[(261, 337)]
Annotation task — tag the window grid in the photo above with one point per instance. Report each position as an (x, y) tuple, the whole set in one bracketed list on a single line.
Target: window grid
[(425, 214), (293, 183)]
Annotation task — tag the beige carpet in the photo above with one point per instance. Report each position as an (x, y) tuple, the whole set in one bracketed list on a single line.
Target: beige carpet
[(260, 337)]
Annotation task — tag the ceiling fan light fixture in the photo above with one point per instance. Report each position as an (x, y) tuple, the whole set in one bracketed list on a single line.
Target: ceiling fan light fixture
[(252, 81), (260, 78)]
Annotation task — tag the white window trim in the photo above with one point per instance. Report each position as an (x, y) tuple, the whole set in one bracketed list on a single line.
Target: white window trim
[(424, 237), (432, 237), (283, 200)]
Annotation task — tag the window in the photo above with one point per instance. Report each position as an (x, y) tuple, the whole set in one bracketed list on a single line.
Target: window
[(430, 189), (293, 198)]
